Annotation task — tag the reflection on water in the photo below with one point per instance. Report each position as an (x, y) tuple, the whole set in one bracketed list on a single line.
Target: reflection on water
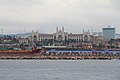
[(59, 69)]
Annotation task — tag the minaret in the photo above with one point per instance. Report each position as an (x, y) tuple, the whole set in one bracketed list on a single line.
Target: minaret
[(62, 28), (83, 31), (24, 30), (56, 29)]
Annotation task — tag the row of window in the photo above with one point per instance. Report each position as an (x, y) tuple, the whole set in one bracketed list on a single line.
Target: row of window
[(68, 40), (69, 37)]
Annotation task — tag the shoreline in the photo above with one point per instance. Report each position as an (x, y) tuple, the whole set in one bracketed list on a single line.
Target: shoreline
[(59, 58)]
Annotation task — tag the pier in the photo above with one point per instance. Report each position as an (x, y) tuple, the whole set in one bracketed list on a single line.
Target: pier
[(74, 55)]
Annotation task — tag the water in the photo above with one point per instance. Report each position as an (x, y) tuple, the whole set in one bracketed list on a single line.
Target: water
[(59, 69)]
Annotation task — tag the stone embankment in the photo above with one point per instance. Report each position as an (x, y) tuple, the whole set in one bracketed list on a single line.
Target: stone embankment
[(72, 56)]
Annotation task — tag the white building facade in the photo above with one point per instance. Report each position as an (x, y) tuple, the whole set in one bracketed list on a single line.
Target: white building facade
[(61, 37)]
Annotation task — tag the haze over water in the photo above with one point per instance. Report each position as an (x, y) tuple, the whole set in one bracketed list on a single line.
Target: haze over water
[(59, 70)]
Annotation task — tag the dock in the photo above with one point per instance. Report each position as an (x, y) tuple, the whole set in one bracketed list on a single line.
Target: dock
[(68, 55)]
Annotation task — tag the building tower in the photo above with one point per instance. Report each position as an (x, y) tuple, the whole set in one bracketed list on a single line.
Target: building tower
[(63, 29), (108, 33), (56, 29)]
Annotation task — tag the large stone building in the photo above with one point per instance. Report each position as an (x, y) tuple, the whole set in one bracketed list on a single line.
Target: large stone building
[(60, 37)]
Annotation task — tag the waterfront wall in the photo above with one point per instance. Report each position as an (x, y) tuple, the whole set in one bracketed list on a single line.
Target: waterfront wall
[(60, 55)]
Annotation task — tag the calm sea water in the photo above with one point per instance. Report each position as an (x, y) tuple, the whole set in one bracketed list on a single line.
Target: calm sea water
[(59, 69)]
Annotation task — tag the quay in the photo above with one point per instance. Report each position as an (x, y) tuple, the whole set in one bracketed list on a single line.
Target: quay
[(64, 54)]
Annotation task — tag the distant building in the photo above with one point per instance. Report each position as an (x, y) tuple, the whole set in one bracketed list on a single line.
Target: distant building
[(117, 36), (26, 35), (60, 37), (97, 40), (108, 33), (97, 34), (23, 40), (115, 43)]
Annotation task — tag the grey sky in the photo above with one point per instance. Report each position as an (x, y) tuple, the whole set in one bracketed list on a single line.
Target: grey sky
[(46, 15)]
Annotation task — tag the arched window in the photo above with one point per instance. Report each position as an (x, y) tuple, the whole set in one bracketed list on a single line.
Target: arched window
[(35, 38), (85, 38), (60, 38)]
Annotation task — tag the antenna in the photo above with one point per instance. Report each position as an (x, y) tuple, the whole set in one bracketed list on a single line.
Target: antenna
[(115, 29), (2, 30), (83, 31), (24, 30), (92, 29), (62, 28), (88, 30), (19, 29)]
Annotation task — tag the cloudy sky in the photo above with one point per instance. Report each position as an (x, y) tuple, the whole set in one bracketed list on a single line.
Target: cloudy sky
[(19, 16)]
